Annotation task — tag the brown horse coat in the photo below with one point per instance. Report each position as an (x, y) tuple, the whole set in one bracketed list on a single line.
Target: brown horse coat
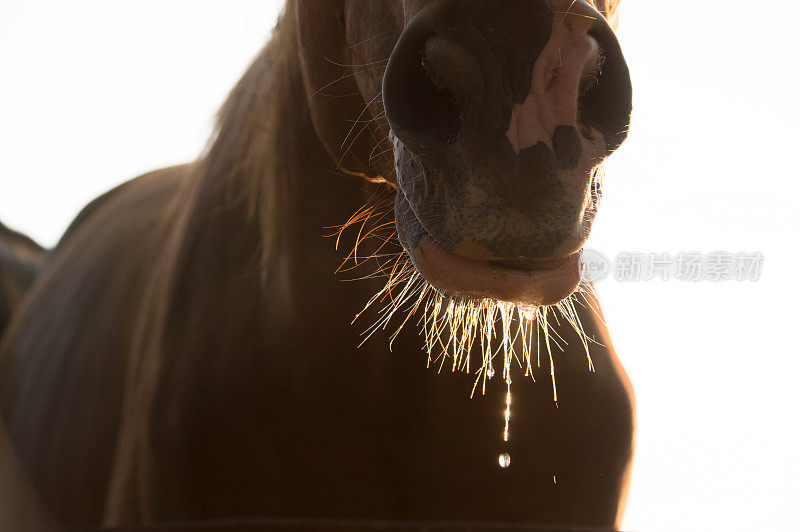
[(20, 261), (187, 354)]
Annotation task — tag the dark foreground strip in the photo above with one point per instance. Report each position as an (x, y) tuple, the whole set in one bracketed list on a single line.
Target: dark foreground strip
[(329, 524)]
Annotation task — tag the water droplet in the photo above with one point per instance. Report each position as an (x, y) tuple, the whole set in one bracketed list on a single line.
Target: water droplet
[(507, 413), (504, 460), (490, 373)]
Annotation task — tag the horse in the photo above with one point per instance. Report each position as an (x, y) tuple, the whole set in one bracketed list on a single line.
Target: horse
[(21, 259), (186, 352)]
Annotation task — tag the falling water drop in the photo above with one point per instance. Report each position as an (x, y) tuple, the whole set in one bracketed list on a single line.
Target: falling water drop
[(507, 413), (504, 460), (490, 373)]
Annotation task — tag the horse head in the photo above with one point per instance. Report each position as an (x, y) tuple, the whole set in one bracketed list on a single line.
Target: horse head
[(183, 355), (491, 118)]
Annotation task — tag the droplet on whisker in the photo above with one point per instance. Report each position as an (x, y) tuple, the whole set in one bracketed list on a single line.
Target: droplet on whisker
[(529, 313)]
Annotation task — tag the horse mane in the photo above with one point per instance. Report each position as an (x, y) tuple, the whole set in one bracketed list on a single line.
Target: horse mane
[(251, 155), (245, 177)]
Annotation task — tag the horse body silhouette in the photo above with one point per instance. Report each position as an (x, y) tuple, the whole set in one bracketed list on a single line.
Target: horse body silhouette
[(186, 352), (20, 261)]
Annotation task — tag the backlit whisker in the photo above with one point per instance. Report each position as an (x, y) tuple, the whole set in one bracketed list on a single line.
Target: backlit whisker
[(459, 329)]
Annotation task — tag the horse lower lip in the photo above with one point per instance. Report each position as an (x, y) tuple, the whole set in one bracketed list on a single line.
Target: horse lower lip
[(531, 265), (457, 275)]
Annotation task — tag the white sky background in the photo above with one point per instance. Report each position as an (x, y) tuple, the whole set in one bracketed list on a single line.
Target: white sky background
[(96, 92)]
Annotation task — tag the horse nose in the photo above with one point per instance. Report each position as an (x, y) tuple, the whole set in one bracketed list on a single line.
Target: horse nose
[(460, 69)]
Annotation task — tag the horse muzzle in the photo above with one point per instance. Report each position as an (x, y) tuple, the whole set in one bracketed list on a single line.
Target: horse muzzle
[(501, 113)]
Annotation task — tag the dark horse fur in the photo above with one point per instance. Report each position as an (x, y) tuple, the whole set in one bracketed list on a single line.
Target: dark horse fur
[(187, 351), (20, 261)]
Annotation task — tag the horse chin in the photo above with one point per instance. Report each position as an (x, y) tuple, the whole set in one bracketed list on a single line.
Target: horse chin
[(528, 283)]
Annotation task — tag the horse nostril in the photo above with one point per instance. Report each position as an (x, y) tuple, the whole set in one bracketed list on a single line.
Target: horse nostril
[(605, 94), (426, 85), (451, 66)]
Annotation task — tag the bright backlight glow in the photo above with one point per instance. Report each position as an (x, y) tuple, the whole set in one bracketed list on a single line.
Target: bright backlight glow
[(97, 92)]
